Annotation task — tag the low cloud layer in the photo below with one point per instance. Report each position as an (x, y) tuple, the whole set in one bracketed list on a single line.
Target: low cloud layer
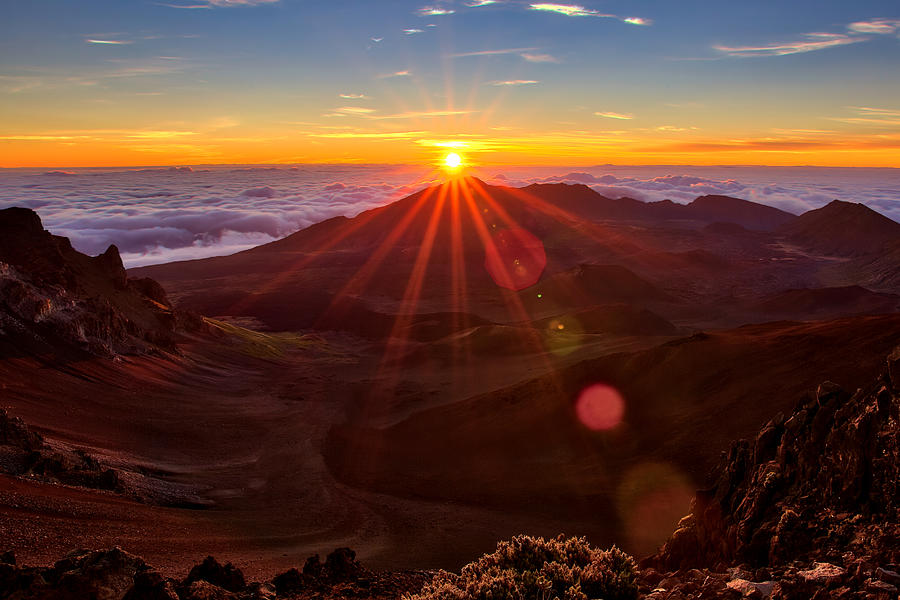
[(161, 215)]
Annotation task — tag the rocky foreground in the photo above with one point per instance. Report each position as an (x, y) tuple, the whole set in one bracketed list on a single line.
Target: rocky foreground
[(116, 574), (808, 510)]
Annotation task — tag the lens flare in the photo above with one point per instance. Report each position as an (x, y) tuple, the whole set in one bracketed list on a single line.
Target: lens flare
[(600, 407), (651, 499), (453, 160), (563, 335), (514, 258)]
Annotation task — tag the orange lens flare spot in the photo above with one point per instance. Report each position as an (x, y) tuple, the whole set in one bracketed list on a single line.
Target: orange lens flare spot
[(514, 258), (600, 407), (651, 499)]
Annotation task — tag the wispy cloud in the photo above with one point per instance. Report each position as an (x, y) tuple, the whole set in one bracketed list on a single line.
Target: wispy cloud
[(100, 135), (539, 58), (882, 112), (395, 74), (476, 3), (614, 115), (413, 31), (39, 138), (879, 26), (354, 96), (350, 111), (570, 10), (810, 43), (227, 3), (110, 42), (375, 135), (377, 39), (49, 80), (444, 143), (576, 10), (369, 113), (790, 144), (15, 84), (529, 54), (498, 51), (514, 82), (186, 6), (423, 114), (434, 11), (207, 4), (867, 115)]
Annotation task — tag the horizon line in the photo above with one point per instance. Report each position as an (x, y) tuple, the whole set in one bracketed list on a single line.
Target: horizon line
[(425, 166)]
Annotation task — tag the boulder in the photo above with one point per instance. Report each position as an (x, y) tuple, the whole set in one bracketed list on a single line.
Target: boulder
[(290, 582), (824, 574), (203, 590), (95, 575), (151, 585), (227, 577), (341, 565), (751, 588)]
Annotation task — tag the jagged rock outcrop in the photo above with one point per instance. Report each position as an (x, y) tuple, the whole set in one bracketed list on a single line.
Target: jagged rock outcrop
[(54, 297), (118, 575), (226, 576), (24, 452), (81, 575), (29, 456), (811, 504)]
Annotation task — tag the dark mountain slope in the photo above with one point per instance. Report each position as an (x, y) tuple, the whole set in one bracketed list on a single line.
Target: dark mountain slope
[(822, 303), (684, 402), (725, 209), (588, 285), (459, 247), (842, 229), (586, 203)]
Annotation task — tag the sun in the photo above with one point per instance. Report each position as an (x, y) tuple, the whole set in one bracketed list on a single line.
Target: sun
[(452, 160)]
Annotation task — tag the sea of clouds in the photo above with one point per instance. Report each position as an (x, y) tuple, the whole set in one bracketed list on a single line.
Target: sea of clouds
[(160, 215)]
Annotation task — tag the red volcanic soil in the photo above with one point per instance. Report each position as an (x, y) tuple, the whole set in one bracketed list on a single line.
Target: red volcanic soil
[(240, 422), (429, 474), (42, 522)]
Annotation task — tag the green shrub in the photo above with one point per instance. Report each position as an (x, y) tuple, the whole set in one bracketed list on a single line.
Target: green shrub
[(528, 568)]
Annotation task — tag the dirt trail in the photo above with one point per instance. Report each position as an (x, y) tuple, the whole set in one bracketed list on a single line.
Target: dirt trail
[(245, 432)]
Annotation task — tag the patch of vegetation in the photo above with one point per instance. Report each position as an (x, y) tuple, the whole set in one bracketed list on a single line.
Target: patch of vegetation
[(262, 345), (529, 568)]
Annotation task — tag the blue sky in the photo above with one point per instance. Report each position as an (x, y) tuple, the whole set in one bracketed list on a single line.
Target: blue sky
[(623, 81)]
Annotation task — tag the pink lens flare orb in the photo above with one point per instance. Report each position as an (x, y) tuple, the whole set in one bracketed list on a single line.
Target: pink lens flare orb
[(514, 258), (600, 407)]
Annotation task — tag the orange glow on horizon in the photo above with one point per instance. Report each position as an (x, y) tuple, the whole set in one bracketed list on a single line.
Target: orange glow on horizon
[(141, 148)]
